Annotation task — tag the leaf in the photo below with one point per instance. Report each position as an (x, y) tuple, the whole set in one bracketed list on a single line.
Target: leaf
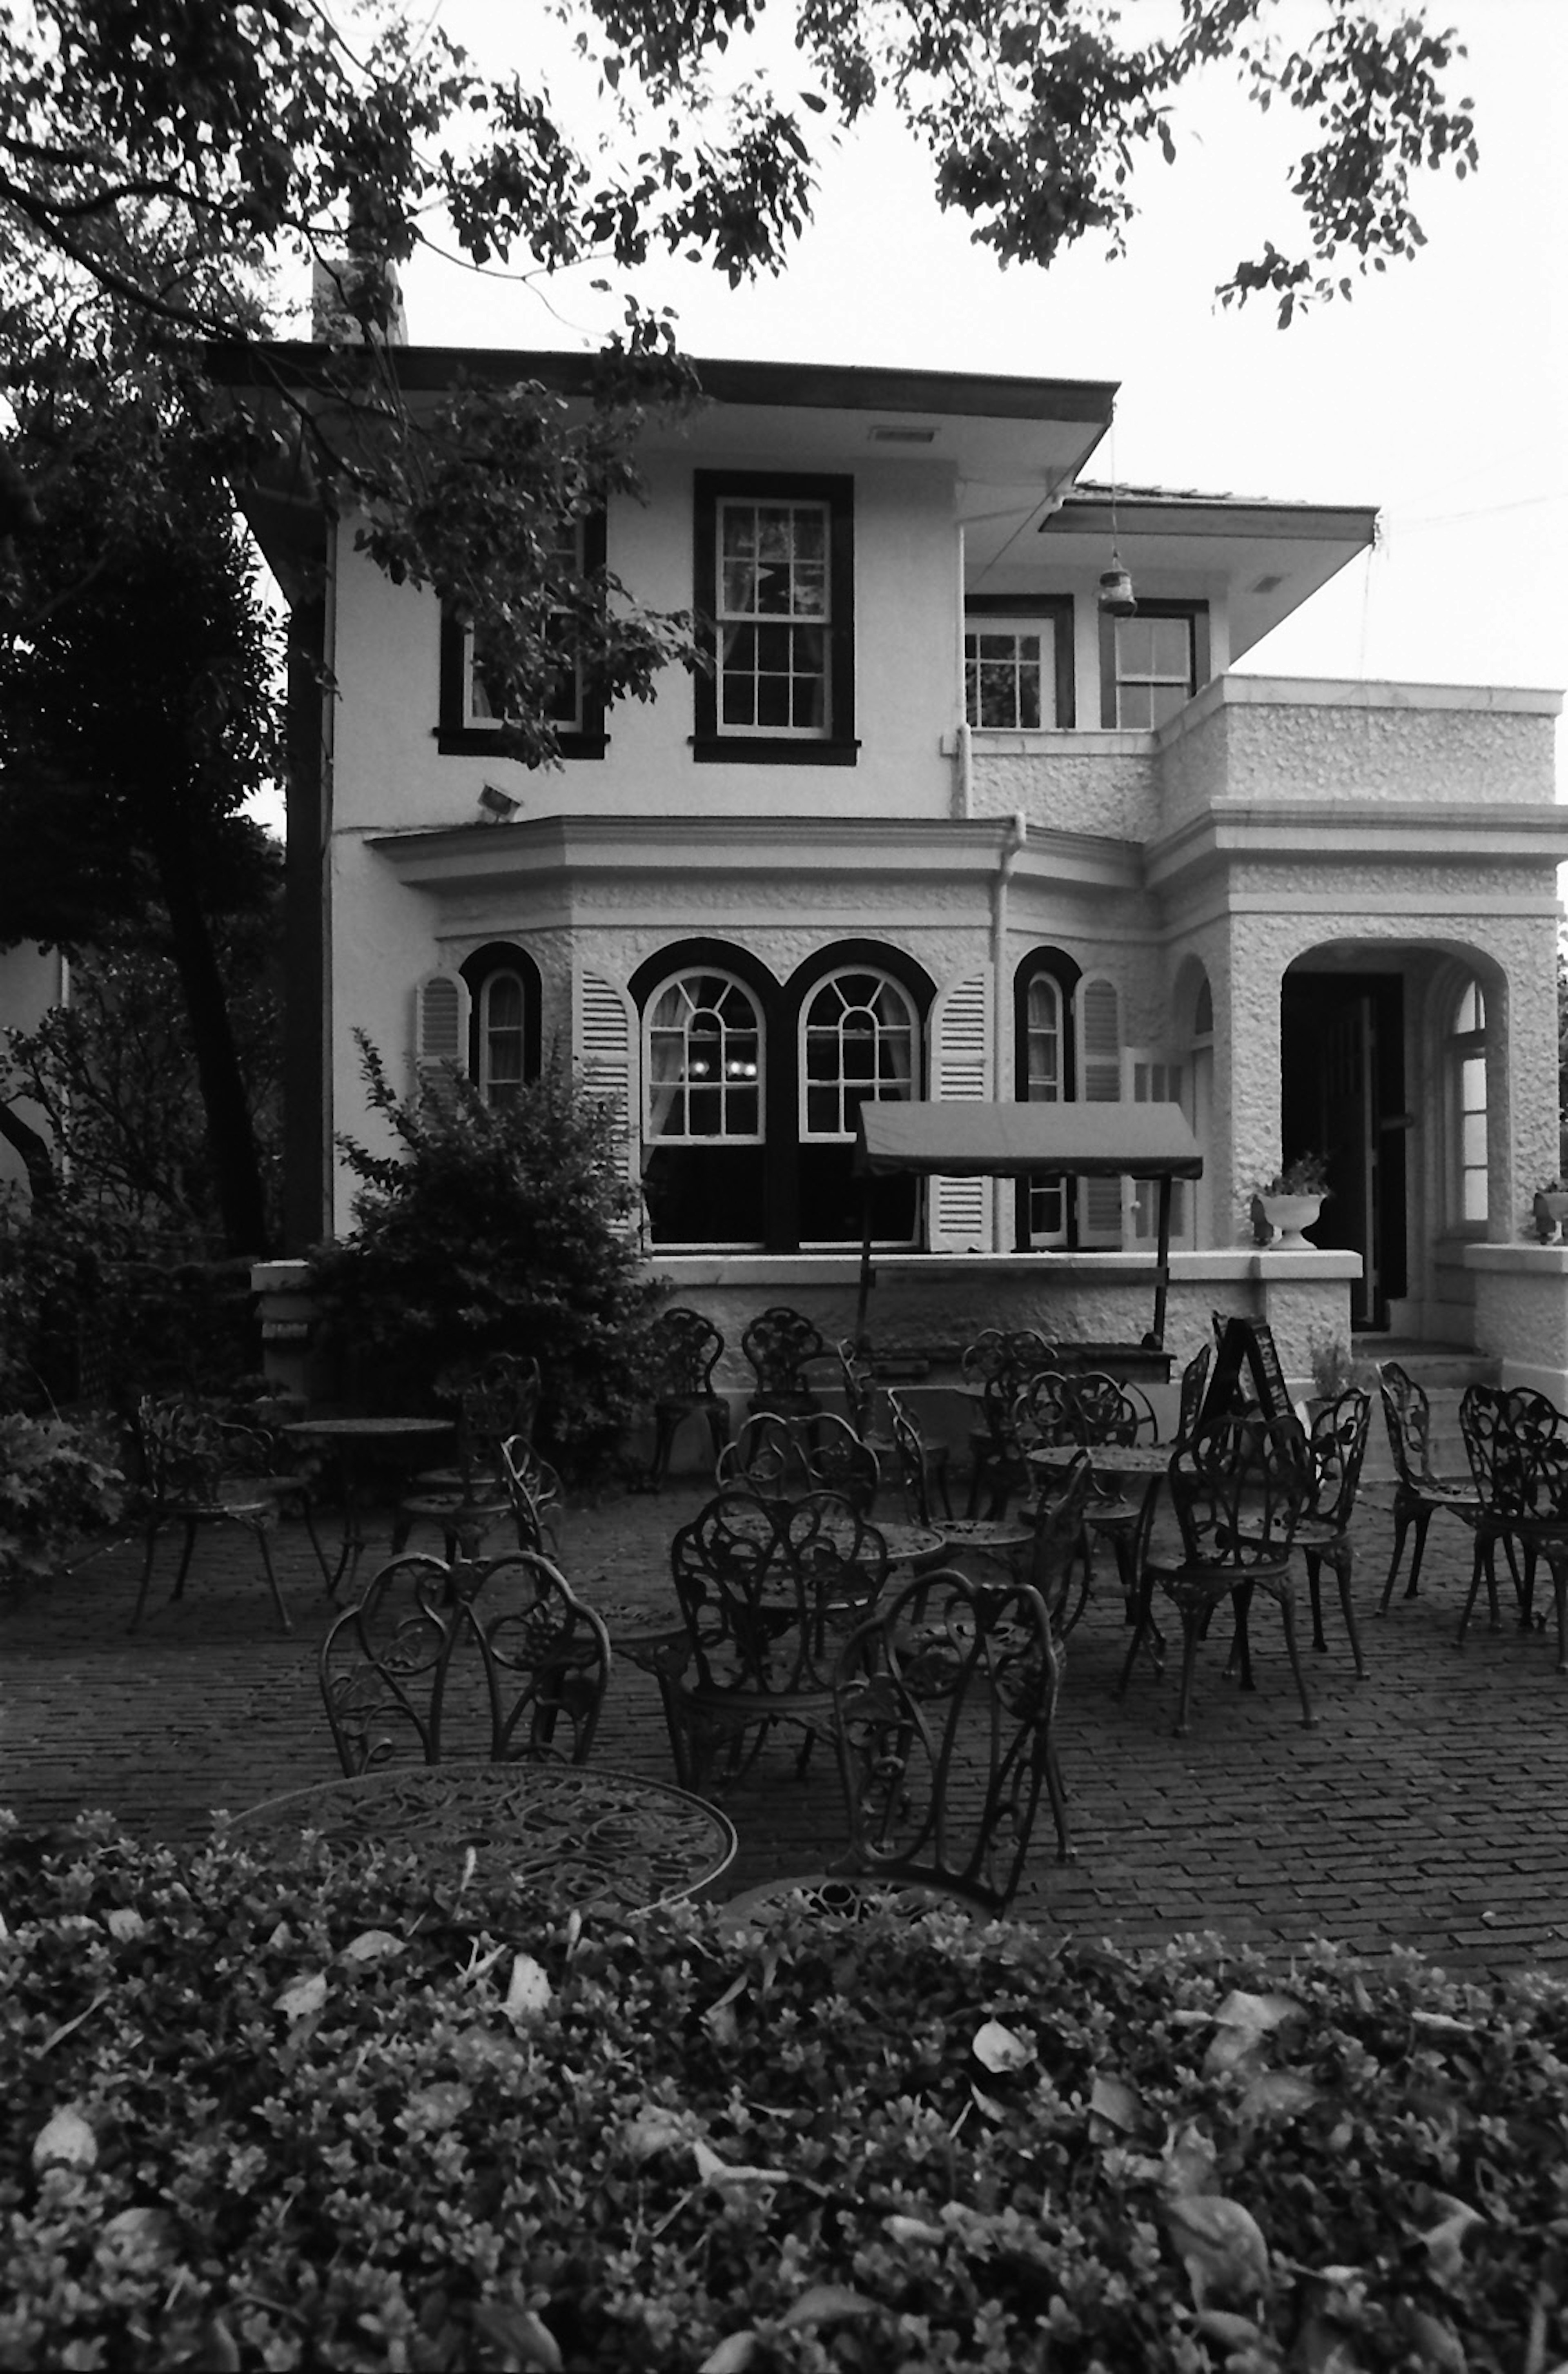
[(66, 2141), (719, 2019), (303, 1999), (1445, 2241), (733, 2355), (525, 2336), (141, 2233), (997, 2049), (371, 1945), (124, 1922), (528, 1992), (1244, 2021), (732, 2182), (912, 2229), (1278, 2093), (1114, 2104), (654, 2131), (826, 2304), (1220, 2244)]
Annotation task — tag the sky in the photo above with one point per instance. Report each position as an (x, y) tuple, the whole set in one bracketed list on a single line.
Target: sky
[(1439, 392)]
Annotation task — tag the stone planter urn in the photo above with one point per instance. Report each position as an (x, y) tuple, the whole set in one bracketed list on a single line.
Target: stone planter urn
[(1551, 1211), (1288, 1215)]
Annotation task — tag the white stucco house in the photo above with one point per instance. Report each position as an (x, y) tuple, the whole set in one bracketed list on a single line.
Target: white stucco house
[(936, 824)]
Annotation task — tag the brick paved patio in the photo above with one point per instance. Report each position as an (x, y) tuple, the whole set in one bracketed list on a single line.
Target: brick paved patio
[(1426, 1808)]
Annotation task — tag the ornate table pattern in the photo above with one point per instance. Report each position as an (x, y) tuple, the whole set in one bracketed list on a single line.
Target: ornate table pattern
[(581, 1837)]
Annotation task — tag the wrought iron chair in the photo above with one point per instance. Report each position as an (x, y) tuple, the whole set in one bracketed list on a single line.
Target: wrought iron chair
[(384, 1664), (1239, 1488), (194, 1469), (781, 1345), (686, 1349), (534, 1490), (547, 1658), (757, 1643), (860, 1392), (1337, 1447), (992, 1538), (1194, 1381), (1091, 1409), (999, 1362), (1420, 1494), (496, 1402), (1517, 1443), (781, 1459)]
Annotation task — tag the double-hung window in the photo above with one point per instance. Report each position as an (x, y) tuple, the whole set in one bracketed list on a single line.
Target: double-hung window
[(774, 592), (1467, 1076), (1151, 664), (470, 721), (1017, 663), (703, 1173)]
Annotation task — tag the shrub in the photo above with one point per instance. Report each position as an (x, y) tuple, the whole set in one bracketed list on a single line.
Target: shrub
[(269, 2114), (58, 1481), (493, 1228)]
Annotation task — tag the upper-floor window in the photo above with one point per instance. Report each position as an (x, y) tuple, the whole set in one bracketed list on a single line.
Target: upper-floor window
[(470, 721), (1151, 664), (774, 592), (1017, 662)]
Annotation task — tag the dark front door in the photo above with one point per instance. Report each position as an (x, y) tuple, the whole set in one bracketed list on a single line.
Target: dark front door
[(1342, 1094)]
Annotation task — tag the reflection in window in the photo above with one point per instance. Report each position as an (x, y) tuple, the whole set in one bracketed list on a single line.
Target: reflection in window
[(774, 617), (705, 1059), (1007, 682), (1467, 1063), (859, 1043), (501, 1037)]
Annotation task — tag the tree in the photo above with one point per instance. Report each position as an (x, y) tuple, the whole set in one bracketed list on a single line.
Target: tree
[(136, 720), (162, 160)]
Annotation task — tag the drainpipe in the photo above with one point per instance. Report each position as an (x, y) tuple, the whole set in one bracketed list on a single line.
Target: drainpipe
[(965, 787), (1013, 841)]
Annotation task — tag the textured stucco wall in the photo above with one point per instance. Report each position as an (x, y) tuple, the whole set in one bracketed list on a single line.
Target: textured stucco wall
[(1111, 790), (1285, 750)]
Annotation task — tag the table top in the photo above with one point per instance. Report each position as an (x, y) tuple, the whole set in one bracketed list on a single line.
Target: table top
[(587, 1838), (1146, 1459), (367, 1430)]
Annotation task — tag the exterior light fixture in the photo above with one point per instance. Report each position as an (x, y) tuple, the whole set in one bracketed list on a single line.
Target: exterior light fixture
[(1117, 599), (498, 806)]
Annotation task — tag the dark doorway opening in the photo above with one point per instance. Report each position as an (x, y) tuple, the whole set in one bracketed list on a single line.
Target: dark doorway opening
[(1342, 1094)]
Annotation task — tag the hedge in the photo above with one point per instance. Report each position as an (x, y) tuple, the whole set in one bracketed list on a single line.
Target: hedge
[(312, 2114)]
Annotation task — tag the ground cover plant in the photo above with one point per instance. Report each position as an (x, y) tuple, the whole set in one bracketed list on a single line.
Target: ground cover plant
[(263, 2114)]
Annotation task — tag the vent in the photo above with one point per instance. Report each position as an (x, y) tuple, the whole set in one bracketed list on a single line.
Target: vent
[(904, 437), (1267, 584)]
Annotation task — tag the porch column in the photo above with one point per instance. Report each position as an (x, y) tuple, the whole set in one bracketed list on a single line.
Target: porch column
[(1246, 1069)]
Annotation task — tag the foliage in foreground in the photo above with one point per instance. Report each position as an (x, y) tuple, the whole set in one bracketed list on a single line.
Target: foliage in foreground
[(317, 2116), (58, 1480), (493, 1228)]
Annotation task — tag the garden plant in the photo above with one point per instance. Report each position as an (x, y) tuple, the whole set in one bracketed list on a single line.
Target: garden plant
[(309, 2113)]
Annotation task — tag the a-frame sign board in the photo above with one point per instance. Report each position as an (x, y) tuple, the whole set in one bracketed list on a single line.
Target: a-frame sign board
[(1246, 1343)]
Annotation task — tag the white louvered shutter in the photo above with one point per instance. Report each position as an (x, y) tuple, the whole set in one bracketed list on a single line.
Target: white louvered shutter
[(1099, 1011), (602, 1044), (1152, 1082), (961, 1068), (440, 1029)]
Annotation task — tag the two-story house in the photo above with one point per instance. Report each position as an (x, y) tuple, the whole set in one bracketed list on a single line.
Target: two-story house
[(938, 822)]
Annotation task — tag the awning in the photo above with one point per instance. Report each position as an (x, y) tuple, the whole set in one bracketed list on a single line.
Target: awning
[(960, 1139)]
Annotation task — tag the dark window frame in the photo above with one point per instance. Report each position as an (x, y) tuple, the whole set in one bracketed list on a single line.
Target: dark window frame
[(1066, 973), (711, 744), (1059, 608), (458, 737), (1195, 613), (504, 956)]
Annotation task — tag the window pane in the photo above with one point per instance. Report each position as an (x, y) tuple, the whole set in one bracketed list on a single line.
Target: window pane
[(703, 1061), (1164, 699), (1170, 641)]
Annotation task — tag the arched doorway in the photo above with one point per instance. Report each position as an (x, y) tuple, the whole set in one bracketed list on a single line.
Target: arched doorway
[(1342, 1062)]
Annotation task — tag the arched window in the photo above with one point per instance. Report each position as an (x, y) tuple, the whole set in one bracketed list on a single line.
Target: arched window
[(859, 1041), (702, 1126), (1045, 1082), (1466, 1091), (503, 1021)]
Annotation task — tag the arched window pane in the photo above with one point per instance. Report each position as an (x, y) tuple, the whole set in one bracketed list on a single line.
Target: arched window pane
[(858, 1043), (501, 1037), (1466, 1048), (704, 1061)]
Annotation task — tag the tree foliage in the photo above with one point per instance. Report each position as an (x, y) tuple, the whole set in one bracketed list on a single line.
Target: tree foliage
[(165, 163)]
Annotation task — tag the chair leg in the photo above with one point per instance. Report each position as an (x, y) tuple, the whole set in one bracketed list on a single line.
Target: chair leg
[(666, 1426), (265, 1548), (1288, 1612), (1344, 1562), (190, 1543), (1191, 1627), (1313, 1566), (717, 1415), (1142, 1625), (147, 1577), (1481, 1561)]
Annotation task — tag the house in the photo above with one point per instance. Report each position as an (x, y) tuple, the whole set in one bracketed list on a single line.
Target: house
[(938, 822)]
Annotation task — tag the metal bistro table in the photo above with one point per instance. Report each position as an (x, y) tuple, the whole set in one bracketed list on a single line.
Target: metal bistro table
[(1133, 1463), (583, 1838), (357, 1444)]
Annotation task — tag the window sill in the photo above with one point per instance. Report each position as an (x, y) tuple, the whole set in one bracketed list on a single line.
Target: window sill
[(483, 742), (771, 750)]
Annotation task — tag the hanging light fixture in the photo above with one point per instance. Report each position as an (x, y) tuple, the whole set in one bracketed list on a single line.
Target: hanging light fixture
[(1117, 599)]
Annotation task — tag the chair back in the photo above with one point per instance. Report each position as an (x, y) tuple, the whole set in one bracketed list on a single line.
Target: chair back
[(754, 1584), (497, 1400), (1109, 1412), (858, 1378), (1194, 1379), (1042, 1411), (184, 1454), (765, 1459), (841, 1555), (535, 1491), (909, 1450), (383, 1666), (1407, 1413), (836, 1460), (780, 1343), (1004, 1352), (1239, 1486), (1517, 1444), (943, 1703), (686, 1348), (545, 1657), (1058, 1537), (1338, 1445)]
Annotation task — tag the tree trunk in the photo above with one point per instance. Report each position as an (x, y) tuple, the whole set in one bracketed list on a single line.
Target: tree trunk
[(42, 1179), (230, 1136)]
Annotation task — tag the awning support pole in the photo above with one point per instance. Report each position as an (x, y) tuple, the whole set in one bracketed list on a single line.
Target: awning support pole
[(864, 1261), (1162, 1274)]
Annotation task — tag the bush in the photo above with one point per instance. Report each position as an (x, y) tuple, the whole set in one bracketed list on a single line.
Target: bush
[(492, 1229), (57, 1482), (280, 2115)]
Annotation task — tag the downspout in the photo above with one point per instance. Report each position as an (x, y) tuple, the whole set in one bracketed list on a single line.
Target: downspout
[(1013, 839), (963, 790)]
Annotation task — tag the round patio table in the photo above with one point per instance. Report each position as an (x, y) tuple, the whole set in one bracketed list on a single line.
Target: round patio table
[(1134, 1462), (579, 1836), (358, 1444)]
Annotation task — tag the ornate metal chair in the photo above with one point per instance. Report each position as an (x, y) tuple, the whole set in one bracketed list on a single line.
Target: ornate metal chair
[(1420, 1494), (998, 1363), (781, 1345), (783, 1459), (860, 1392), (1517, 1443), (547, 1658), (992, 1538), (686, 1348), (534, 1490), (757, 1643), (496, 1402), (1195, 1380), (384, 1664), (194, 1469), (1337, 1447), (1091, 1409), (1239, 1488)]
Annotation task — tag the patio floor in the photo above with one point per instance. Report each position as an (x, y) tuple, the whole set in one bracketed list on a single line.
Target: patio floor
[(1426, 1807)]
